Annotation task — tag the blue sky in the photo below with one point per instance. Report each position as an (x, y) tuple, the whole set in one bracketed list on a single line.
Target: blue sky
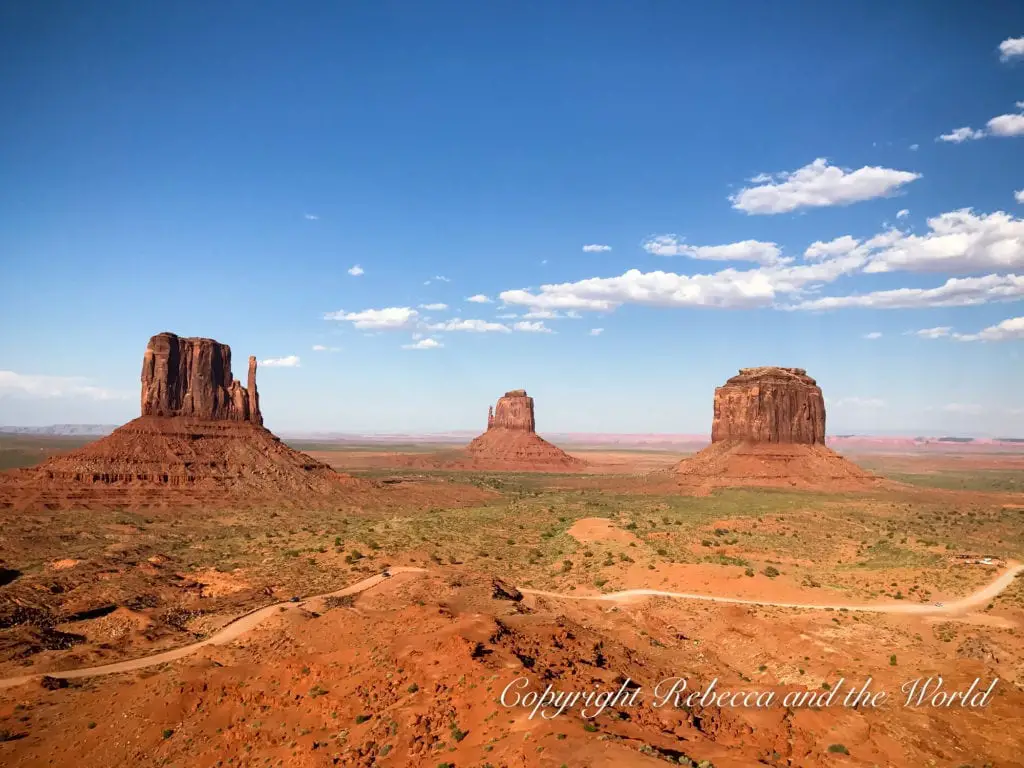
[(218, 170)]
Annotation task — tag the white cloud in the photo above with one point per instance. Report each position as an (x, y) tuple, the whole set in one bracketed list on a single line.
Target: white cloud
[(437, 279), (959, 241), (1006, 125), (38, 386), (292, 361), (856, 402), (955, 292), (473, 326), (356, 270), (960, 135), (322, 348), (1013, 328), (595, 248), (596, 331), (822, 250), (479, 299), (1011, 48), (970, 409), (727, 289), (532, 327), (557, 297), (438, 307), (730, 288), (1019, 195), (873, 335), (938, 332), (1001, 125), (424, 344), (745, 250), (914, 147), (390, 318), (818, 185), (902, 213), (310, 216), (507, 316), (542, 314)]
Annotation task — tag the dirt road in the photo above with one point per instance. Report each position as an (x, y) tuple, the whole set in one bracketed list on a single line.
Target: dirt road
[(243, 624), (225, 635), (983, 595)]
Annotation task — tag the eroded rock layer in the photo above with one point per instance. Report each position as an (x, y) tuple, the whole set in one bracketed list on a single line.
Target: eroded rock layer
[(200, 439), (769, 430), (192, 377), (514, 411), (178, 452), (770, 405), (793, 465), (511, 440)]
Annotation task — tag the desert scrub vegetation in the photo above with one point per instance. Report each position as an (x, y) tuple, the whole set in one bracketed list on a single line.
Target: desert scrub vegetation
[(991, 480)]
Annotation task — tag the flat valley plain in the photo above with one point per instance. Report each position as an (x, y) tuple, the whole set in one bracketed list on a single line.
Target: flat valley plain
[(410, 671)]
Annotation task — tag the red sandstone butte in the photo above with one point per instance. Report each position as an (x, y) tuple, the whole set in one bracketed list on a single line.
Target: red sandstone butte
[(770, 405), (511, 440), (192, 377), (769, 429), (199, 439)]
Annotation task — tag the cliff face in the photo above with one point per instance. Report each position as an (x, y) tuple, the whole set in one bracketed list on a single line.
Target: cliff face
[(514, 411), (200, 440), (769, 430), (192, 377), (511, 440), (769, 405)]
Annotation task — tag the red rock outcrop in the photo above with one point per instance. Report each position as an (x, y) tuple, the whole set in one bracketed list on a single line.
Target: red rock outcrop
[(770, 405), (769, 429), (514, 412), (200, 438), (192, 377), (511, 440)]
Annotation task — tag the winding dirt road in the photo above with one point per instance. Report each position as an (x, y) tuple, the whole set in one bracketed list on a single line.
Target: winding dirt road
[(983, 595), (225, 635), (249, 621)]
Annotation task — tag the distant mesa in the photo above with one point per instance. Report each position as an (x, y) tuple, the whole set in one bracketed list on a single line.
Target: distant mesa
[(769, 429), (200, 437), (511, 440)]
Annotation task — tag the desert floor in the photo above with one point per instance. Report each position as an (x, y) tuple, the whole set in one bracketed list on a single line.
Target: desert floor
[(409, 670)]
